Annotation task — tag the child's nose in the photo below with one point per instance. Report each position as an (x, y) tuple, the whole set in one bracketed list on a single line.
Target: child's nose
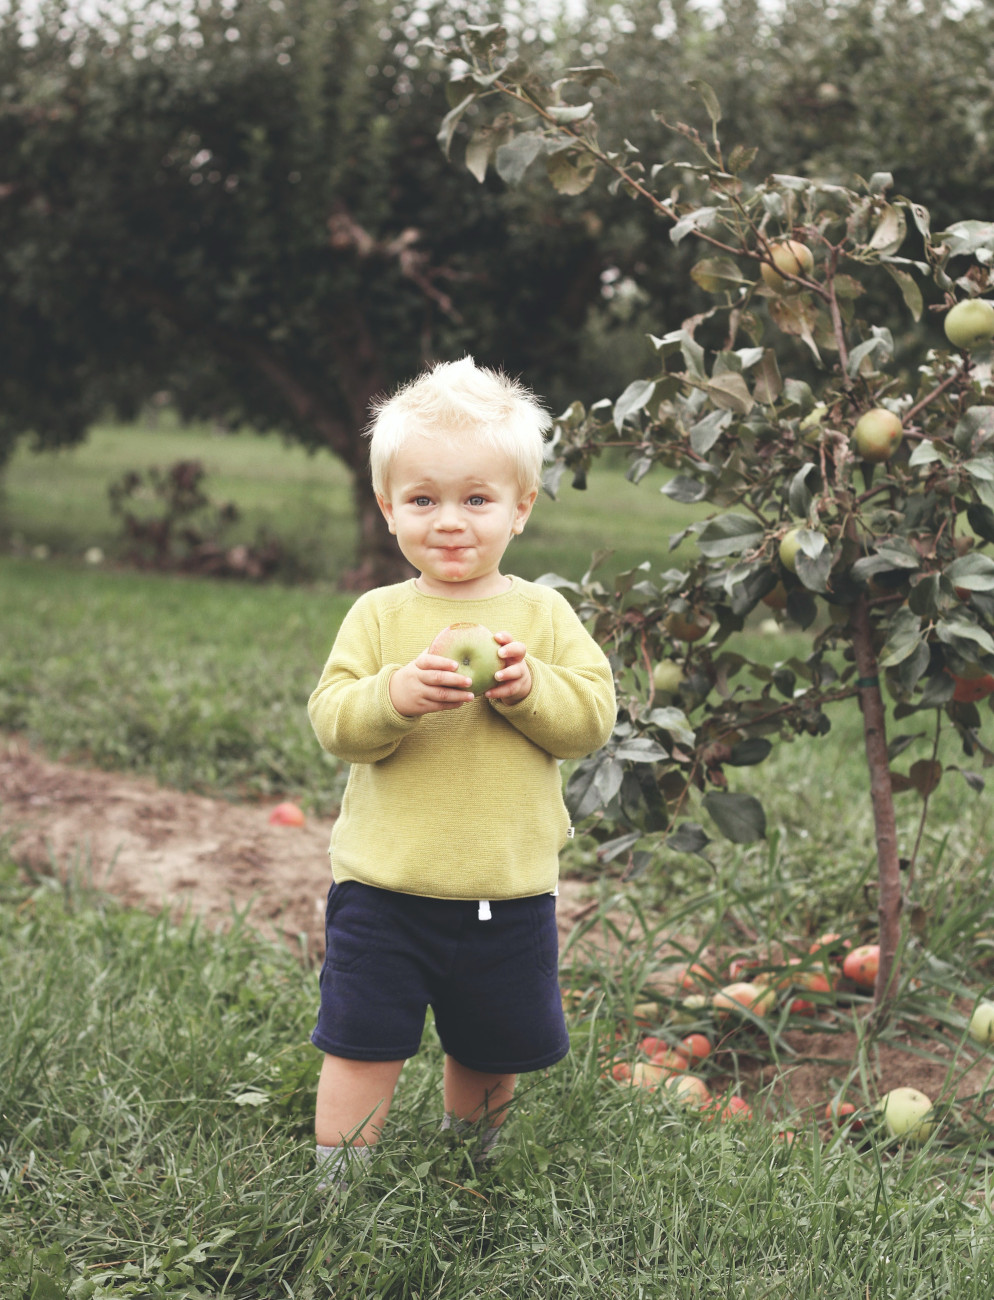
[(449, 517)]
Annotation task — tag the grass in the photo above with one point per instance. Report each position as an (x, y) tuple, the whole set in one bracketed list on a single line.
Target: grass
[(55, 503), (156, 1144)]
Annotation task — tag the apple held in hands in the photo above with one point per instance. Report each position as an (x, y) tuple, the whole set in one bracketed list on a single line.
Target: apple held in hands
[(474, 649)]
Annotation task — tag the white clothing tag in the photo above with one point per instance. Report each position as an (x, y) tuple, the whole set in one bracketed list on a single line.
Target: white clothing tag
[(571, 832), (483, 911)]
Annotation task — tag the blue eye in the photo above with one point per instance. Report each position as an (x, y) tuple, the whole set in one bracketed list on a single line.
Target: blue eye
[(422, 501), (478, 501)]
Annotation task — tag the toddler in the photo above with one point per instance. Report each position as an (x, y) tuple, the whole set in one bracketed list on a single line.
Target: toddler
[(445, 855)]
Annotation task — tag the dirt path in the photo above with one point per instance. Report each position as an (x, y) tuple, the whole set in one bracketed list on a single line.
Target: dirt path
[(153, 847)]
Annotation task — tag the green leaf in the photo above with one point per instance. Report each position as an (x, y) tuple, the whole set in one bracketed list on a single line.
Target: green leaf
[(478, 152), (749, 752), (910, 291), (640, 749), (687, 490), (637, 395), (769, 383), (674, 722), (450, 121), (688, 838), (967, 237), (710, 100), (903, 638), (567, 114), (927, 452), (699, 219), (730, 392), (514, 158), (974, 572), (729, 535), (891, 230), (706, 432), (571, 174), (798, 494), (717, 275), (739, 817)]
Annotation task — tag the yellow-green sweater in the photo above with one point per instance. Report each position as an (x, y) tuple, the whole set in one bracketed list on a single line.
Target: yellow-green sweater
[(465, 803)]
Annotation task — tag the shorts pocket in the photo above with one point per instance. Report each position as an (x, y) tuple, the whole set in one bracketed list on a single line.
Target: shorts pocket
[(546, 935), (351, 925)]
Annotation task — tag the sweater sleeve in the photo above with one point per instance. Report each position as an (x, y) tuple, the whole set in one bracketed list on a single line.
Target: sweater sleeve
[(571, 708), (350, 708)]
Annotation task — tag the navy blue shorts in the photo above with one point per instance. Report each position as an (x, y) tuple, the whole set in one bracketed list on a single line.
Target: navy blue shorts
[(493, 985)]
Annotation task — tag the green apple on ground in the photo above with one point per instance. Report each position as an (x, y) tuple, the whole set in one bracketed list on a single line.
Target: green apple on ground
[(790, 257), (687, 1090), (878, 434), (474, 649), (667, 676), (982, 1024), (970, 324), (904, 1112), (743, 996)]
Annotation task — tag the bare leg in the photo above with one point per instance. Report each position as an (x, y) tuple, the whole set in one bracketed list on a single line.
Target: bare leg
[(353, 1100), (473, 1096)]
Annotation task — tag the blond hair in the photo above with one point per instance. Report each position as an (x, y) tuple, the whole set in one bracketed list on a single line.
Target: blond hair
[(455, 401)]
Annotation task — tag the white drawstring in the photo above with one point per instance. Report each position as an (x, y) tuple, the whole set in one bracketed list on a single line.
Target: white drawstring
[(483, 911)]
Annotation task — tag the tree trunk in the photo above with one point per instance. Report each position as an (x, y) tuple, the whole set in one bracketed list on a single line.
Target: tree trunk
[(882, 797), (379, 556)]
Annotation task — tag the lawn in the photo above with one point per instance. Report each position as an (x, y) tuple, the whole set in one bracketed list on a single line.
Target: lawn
[(156, 1083)]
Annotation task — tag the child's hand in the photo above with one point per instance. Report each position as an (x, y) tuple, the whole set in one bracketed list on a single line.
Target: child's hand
[(515, 679), (429, 684)]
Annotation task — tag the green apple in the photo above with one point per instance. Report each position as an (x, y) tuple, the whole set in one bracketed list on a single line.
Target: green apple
[(790, 257), (970, 323), (904, 1112), (982, 1024), (878, 434), (667, 676), (474, 649), (789, 546)]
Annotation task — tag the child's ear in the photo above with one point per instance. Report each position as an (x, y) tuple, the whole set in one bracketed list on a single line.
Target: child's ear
[(522, 511), (387, 510)]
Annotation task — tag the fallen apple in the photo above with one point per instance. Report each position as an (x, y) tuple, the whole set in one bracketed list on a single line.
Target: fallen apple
[(687, 1090), (695, 974), (841, 1112), (982, 1024), (670, 1060), (286, 814), (743, 996), (904, 1112), (474, 650), (696, 1046), (861, 965), (647, 1075), (790, 257), (878, 434), (970, 323)]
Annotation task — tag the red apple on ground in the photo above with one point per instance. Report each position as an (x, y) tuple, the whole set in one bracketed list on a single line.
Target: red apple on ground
[(286, 814), (696, 1046), (474, 649), (861, 965), (878, 434), (687, 1090), (970, 323), (742, 995), (695, 975), (840, 1112)]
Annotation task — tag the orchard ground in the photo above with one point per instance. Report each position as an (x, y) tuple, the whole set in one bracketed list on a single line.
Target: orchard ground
[(156, 848)]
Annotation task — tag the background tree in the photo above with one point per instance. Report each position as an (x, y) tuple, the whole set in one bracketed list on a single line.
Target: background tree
[(864, 495), (225, 203)]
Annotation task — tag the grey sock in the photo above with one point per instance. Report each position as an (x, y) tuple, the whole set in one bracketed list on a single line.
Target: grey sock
[(335, 1164), (467, 1129)]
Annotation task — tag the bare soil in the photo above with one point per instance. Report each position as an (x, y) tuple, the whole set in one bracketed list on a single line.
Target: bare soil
[(155, 848)]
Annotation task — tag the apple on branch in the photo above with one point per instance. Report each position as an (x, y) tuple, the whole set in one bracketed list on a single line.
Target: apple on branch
[(878, 434), (474, 649), (790, 257), (970, 324)]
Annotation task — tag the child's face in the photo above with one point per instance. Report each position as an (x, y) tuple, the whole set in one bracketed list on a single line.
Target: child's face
[(454, 511)]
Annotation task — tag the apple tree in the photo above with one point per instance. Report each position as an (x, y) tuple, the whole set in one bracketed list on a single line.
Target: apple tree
[(854, 496)]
